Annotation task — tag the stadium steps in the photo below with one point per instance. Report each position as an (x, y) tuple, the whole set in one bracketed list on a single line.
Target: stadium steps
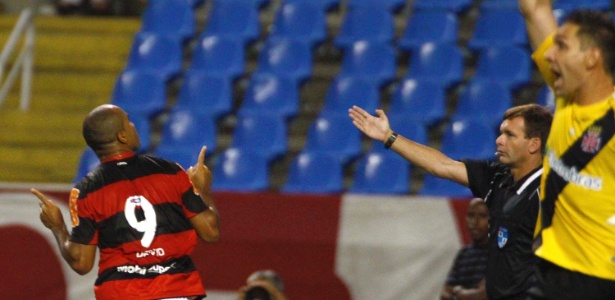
[(76, 63)]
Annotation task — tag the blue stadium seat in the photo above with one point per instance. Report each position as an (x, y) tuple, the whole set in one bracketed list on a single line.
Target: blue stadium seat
[(240, 171), (484, 100), (381, 173), (334, 134), (570, 5), (220, 55), (303, 21), (392, 5), (344, 92), (439, 187), (144, 130), (420, 100), (471, 139), (372, 23), (407, 127), (235, 19), (205, 94), (140, 93), (183, 135), (441, 63), (511, 66), (546, 97), (286, 57), (456, 6), (88, 161), (268, 93), (265, 134), (314, 173), (374, 61), (169, 17), (326, 5), (429, 26), (156, 53), (499, 4), (498, 27)]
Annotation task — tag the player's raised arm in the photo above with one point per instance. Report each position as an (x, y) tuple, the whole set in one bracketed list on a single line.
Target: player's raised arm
[(205, 223), (539, 20)]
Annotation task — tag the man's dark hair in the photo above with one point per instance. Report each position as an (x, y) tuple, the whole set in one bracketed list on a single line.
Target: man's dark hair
[(596, 29), (101, 126), (537, 121), (269, 275)]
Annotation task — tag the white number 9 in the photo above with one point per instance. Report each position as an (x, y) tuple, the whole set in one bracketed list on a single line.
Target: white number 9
[(148, 225)]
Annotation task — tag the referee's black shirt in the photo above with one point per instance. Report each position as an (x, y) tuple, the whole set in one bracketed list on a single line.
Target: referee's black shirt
[(513, 211)]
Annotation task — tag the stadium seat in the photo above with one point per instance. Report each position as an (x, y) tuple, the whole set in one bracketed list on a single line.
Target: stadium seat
[(144, 130), (381, 173), (469, 139), (570, 5), (420, 100), (140, 93), (484, 100), (156, 53), (373, 61), (404, 126), (439, 187), (546, 97), (442, 63), (393, 6), (183, 135), (499, 4), (456, 6), (334, 134), (429, 26), (410, 128), (325, 5), (511, 66), (498, 27), (205, 94), (265, 134), (196, 3), (314, 173), (372, 23), (286, 57), (235, 19), (268, 93), (169, 17), (220, 55), (344, 92), (240, 171), (88, 161), (256, 3), (302, 21)]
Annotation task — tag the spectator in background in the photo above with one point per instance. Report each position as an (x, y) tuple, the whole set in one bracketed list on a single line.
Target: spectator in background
[(466, 279), (263, 285), (509, 187)]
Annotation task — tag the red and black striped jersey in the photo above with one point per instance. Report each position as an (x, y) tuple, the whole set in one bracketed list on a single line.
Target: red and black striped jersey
[(136, 209)]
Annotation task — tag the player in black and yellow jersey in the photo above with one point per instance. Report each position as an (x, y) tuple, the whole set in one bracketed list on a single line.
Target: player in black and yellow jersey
[(577, 236)]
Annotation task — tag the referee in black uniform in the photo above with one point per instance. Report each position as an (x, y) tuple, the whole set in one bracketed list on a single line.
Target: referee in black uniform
[(509, 186)]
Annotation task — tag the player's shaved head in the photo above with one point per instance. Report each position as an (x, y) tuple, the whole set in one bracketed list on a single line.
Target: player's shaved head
[(101, 126)]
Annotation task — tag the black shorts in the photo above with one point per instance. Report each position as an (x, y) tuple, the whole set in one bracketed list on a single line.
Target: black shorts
[(559, 283)]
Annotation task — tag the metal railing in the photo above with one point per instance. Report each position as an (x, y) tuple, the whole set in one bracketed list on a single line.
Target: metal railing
[(23, 31)]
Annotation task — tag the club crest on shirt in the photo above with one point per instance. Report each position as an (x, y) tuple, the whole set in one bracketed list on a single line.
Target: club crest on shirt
[(591, 140), (502, 236)]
